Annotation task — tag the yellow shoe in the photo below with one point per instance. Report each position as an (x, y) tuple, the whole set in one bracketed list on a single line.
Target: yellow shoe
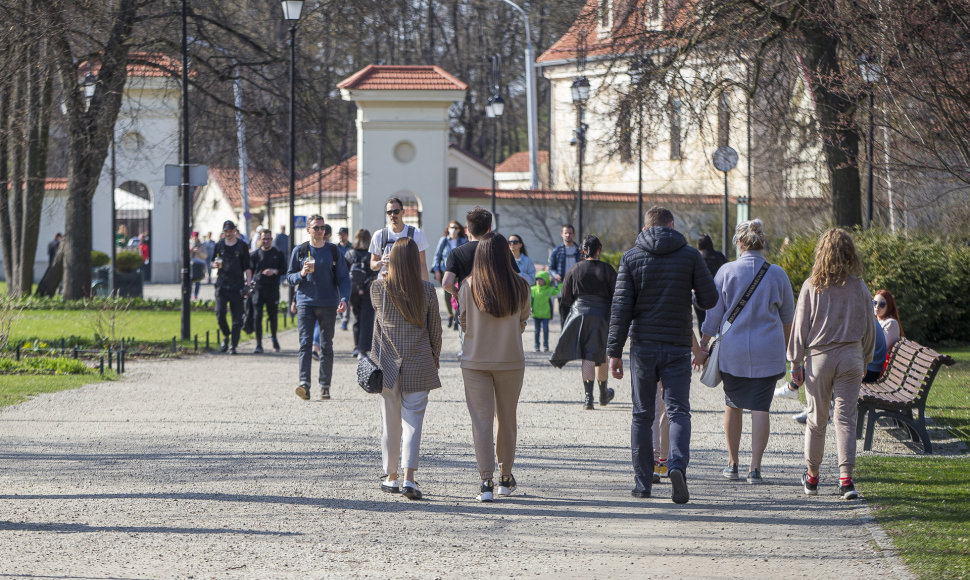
[(660, 468)]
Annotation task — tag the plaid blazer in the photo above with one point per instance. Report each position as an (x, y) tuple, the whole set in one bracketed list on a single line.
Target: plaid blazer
[(403, 351)]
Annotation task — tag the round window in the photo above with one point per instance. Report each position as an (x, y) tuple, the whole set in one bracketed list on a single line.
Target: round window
[(404, 152)]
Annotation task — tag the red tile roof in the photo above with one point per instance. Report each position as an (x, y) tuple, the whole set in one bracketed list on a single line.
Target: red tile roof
[(141, 64), (331, 181), (519, 162), (618, 197), (402, 78), (260, 184), (626, 34)]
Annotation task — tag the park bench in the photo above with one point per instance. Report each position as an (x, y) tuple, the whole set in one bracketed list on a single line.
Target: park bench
[(900, 392)]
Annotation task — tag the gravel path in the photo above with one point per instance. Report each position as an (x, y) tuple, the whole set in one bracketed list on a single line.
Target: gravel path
[(210, 467)]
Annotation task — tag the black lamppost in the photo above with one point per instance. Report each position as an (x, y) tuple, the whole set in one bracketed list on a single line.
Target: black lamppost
[(580, 94), (639, 71), (186, 309), (871, 73), (493, 110), (291, 13)]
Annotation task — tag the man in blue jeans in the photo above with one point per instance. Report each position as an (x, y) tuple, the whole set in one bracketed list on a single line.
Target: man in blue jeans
[(652, 304), (322, 280)]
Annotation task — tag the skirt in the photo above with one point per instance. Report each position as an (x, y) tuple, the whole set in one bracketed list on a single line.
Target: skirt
[(584, 333), (747, 393)]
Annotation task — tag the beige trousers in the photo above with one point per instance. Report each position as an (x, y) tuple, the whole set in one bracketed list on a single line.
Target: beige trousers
[(493, 396), (835, 372)]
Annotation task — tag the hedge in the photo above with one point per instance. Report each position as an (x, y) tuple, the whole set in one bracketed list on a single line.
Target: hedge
[(928, 277)]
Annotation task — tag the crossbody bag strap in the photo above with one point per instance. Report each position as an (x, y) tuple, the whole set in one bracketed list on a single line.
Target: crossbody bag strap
[(745, 297)]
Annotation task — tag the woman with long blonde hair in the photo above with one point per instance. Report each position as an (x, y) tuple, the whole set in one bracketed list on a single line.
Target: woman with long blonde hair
[(407, 348), (832, 339), (495, 308)]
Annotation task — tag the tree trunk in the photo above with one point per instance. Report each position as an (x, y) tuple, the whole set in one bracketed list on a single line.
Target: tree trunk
[(840, 135), (5, 233), (38, 127)]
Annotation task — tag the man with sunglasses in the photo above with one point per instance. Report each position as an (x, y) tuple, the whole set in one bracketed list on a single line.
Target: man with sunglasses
[(383, 239), (231, 259), (322, 290)]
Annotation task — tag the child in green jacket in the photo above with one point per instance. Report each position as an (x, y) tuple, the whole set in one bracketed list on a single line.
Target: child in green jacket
[(542, 293)]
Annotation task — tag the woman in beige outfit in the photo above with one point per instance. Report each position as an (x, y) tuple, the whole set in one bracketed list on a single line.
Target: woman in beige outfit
[(833, 336), (407, 348), (495, 308)]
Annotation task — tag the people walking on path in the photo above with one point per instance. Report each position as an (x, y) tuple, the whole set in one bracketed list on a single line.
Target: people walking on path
[(587, 292), (494, 310), (832, 338), (322, 283), (407, 348), (542, 294), (268, 265), (652, 304), (563, 258), (282, 241), (380, 244), (752, 346), (210, 250), (198, 255), (361, 278), (522, 261), (714, 261), (454, 237), (231, 261)]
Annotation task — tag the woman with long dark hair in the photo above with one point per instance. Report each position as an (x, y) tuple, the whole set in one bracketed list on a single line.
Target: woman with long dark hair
[(494, 312), (527, 270), (587, 291), (832, 339), (407, 348)]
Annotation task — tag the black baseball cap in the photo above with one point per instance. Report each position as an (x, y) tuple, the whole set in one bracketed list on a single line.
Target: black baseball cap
[(228, 225), (343, 231)]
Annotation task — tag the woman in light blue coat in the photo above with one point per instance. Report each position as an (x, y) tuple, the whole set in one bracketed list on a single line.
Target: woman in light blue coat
[(527, 270), (454, 237), (752, 352)]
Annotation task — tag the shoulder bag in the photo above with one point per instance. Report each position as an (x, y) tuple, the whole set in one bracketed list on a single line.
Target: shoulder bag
[(711, 375), (370, 377)]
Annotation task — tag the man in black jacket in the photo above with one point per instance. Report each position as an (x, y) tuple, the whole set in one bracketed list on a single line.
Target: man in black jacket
[(652, 303), (268, 264)]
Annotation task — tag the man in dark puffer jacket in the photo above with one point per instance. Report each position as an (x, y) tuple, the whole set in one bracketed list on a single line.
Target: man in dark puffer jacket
[(653, 304)]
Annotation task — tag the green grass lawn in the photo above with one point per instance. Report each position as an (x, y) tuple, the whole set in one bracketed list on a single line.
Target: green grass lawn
[(18, 388), (923, 502)]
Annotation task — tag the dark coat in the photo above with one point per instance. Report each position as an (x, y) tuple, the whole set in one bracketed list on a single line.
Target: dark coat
[(652, 302)]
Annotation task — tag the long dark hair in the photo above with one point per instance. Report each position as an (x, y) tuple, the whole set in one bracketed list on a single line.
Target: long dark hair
[(496, 288), (591, 245), (521, 243), (362, 239)]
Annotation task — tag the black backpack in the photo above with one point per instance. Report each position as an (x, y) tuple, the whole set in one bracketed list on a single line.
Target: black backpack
[(360, 271), (304, 249), (386, 233)]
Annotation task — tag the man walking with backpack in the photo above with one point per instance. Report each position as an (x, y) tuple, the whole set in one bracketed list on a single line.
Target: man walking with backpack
[(380, 244), (268, 265), (361, 277), (231, 260), (322, 285)]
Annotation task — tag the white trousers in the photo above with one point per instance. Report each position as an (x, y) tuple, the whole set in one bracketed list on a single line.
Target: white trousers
[(403, 416)]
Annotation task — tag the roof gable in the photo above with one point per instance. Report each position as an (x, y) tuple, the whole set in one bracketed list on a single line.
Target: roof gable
[(402, 78)]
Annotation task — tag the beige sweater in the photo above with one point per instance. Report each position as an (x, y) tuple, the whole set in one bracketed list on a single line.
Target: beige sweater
[(490, 343), (837, 316)]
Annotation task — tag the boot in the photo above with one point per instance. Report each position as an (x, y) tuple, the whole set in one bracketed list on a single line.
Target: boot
[(606, 395), (588, 400)]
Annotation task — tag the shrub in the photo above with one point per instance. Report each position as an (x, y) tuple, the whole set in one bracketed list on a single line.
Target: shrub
[(927, 276), (128, 261), (99, 259)]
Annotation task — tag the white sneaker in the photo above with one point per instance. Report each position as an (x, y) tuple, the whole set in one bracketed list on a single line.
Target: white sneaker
[(486, 494), (785, 391), (801, 417)]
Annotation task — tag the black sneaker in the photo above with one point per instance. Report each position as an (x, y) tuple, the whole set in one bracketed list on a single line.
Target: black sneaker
[(848, 491), (232, 350), (810, 488), (303, 391), (640, 493), (258, 349), (486, 495), (325, 393), (225, 346), (506, 484), (679, 483), (276, 345), (731, 472), (389, 486), (411, 490)]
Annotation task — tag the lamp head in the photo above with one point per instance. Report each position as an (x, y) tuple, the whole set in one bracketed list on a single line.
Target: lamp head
[(580, 90), (292, 9), (495, 107)]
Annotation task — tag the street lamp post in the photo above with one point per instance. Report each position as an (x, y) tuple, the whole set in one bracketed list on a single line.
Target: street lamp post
[(291, 13), (493, 110), (580, 94), (186, 309), (639, 70), (871, 73), (530, 97)]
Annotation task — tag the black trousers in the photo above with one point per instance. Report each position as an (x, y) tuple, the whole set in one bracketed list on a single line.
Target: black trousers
[(363, 311), (272, 309), (231, 297)]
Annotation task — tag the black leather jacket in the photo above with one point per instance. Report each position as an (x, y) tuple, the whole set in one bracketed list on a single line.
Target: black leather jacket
[(652, 302)]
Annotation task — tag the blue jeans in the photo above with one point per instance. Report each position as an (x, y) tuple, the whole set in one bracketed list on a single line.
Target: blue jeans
[(306, 318), (542, 325), (650, 363)]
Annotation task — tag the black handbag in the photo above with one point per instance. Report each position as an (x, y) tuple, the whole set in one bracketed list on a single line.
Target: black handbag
[(370, 377)]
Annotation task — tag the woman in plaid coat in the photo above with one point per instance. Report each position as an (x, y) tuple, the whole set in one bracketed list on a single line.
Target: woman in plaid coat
[(407, 348)]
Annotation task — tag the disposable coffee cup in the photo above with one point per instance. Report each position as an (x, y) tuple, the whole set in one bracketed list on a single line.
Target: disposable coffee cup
[(310, 262), (217, 263)]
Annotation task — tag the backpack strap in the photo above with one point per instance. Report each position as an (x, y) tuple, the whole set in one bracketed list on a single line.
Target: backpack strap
[(302, 250), (333, 264)]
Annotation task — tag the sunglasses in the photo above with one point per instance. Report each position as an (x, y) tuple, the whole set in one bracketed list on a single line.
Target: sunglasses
[(452, 227), (318, 228), (393, 212), (879, 303), (513, 242)]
